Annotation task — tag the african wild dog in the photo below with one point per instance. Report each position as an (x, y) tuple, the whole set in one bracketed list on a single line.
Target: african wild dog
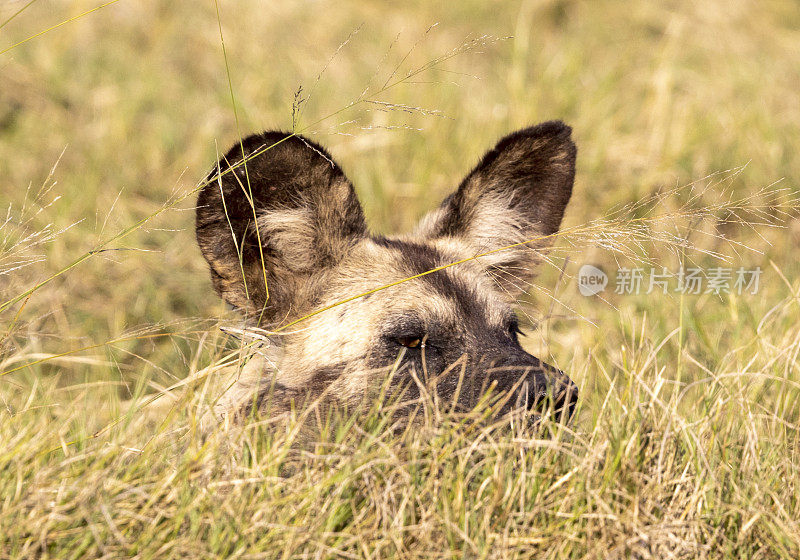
[(456, 326)]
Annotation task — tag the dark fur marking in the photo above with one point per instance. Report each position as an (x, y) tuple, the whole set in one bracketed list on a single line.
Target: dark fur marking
[(418, 258)]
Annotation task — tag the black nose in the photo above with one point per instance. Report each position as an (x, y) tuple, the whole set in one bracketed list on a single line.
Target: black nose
[(539, 387), (565, 400), (560, 396)]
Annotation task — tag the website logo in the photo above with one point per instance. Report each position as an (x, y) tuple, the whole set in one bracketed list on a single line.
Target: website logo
[(591, 280)]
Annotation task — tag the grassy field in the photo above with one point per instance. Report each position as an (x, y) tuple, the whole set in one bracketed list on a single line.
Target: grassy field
[(686, 443)]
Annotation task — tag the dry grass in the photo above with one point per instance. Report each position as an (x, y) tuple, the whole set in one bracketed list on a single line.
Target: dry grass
[(687, 120)]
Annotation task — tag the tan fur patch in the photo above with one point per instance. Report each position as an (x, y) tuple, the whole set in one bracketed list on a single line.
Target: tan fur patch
[(290, 233)]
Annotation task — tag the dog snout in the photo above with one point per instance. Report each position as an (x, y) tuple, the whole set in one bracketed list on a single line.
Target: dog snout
[(544, 388), (564, 398), (552, 390)]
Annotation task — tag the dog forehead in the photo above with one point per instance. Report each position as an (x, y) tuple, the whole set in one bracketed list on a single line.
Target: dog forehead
[(397, 274)]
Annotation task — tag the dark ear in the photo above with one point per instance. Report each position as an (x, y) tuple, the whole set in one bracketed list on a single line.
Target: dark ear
[(518, 192), (271, 222)]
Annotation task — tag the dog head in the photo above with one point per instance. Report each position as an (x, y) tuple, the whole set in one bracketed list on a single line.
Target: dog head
[(285, 237)]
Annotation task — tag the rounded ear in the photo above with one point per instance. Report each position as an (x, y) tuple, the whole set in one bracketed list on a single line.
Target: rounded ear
[(275, 213), (517, 193)]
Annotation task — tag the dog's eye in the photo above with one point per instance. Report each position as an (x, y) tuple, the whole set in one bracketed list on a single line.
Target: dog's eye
[(409, 341)]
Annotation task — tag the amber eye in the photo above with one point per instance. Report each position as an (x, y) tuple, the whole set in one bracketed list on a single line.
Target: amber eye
[(409, 341)]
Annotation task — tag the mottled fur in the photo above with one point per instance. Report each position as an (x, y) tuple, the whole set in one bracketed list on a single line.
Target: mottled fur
[(284, 234)]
